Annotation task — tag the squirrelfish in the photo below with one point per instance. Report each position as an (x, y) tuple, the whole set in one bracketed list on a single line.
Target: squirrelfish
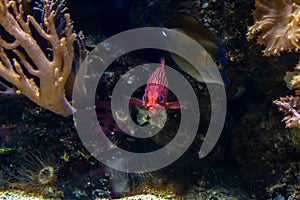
[(156, 92)]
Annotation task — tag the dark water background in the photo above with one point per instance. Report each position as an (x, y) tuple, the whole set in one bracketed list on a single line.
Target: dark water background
[(256, 156)]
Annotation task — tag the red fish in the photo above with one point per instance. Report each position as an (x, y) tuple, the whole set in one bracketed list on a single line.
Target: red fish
[(156, 92)]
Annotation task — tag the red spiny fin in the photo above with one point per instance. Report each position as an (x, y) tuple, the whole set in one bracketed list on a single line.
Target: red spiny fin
[(176, 104), (173, 105), (159, 76), (136, 101)]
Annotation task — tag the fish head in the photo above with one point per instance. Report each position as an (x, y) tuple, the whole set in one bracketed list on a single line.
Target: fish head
[(155, 94)]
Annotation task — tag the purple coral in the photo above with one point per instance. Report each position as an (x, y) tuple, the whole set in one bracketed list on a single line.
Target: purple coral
[(291, 107)]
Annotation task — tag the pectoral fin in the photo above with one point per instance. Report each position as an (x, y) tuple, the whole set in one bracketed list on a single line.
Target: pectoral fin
[(175, 104), (136, 101)]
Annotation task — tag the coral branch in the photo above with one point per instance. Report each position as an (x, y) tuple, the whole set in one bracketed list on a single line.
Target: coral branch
[(277, 26), (40, 77), (291, 107)]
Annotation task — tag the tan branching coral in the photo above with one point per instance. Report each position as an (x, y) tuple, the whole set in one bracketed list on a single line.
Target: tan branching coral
[(38, 75), (276, 26), (290, 105), (295, 82)]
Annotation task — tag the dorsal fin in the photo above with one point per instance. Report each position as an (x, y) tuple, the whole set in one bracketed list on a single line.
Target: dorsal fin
[(162, 62), (191, 23)]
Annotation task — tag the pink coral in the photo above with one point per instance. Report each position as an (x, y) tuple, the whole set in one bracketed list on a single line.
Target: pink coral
[(291, 107)]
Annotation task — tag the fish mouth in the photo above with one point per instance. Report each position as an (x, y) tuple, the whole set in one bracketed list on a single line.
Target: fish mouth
[(156, 109)]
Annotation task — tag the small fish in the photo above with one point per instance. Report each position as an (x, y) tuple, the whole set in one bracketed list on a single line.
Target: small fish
[(191, 26), (156, 92)]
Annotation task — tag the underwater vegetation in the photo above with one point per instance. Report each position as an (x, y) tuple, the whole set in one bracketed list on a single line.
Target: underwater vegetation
[(41, 78), (255, 42), (277, 27)]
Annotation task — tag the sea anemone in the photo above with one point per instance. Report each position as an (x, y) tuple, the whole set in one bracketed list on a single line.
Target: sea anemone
[(36, 172)]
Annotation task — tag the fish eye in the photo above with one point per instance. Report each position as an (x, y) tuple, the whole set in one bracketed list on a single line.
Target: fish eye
[(161, 99), (218, 63), (144, 98)]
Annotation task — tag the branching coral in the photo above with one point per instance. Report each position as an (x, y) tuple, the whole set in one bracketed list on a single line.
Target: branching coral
[(38, 75), (295, 82), (291, 105), (276, 25)]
